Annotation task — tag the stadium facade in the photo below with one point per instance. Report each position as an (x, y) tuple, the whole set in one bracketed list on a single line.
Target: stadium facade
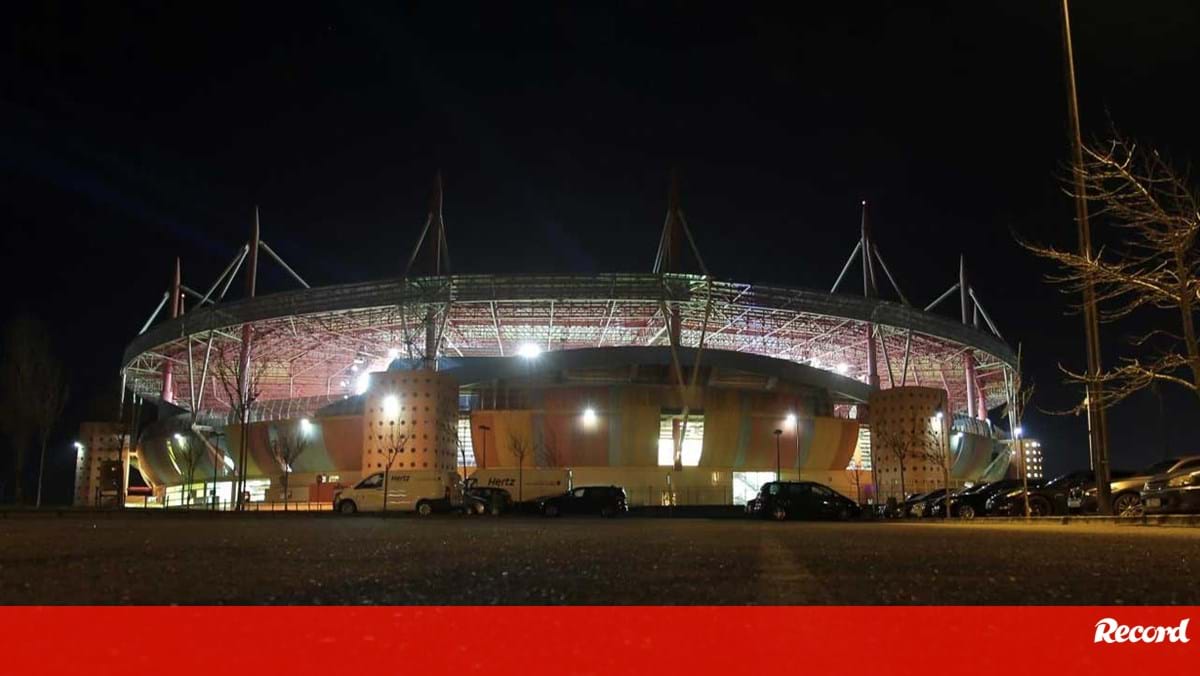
[(679, 386)]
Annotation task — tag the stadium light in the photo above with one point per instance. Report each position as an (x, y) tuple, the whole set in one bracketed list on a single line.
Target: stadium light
[(791, 419), (589, 416), (179, 437), (1018, 431), (362, 383), (305, 426), (79, 447), (393, 353), (391, 405), (529, 351), (842, 368)]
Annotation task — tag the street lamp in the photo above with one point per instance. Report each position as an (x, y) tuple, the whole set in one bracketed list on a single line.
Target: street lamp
[(778, 433), (306, 427), (529, 351), (589, 417), (391, 405)]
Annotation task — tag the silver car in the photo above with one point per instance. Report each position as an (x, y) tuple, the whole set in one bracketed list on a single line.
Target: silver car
[(1176, 490)]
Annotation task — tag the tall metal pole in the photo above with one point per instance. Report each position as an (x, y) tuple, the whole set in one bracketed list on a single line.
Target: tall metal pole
[(869, 292), (168, 381), (778, 433), (1097, 423), (244, 383), (968, 356)]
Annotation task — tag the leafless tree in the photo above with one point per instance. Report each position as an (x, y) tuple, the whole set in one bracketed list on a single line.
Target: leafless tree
[(897, 444), (854, 472), (1155, 211), (936, 450), (241, 380), (394, 448), (290, 442), (519, 447), (35, 392), (189, 454), (551, 453)]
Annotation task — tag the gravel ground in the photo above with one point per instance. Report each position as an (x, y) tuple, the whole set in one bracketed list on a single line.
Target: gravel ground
[(165, 559)]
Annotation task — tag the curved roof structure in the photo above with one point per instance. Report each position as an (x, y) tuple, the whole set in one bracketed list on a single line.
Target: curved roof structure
[(313, 342)]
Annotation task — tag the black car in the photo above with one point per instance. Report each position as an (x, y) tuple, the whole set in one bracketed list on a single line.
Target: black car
[(922, 505), (603, 500), (1059, 496), (487, 500), (781, 500), (972, 502)]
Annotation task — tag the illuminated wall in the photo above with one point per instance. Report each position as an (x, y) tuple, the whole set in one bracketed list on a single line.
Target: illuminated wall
[(101, 444), (413, 414), (905, 421)]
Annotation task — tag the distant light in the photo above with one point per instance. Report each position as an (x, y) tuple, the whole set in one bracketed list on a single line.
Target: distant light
[(79, 447), (305, 426), (393, 352), (359, 359), (589, 416), (345, 382), (791, 418), (529, 351), (354, 366), (842, 368), (391, 405), (938, 415), (815, 363), (179, 437), (362, 383), (1018, 431)]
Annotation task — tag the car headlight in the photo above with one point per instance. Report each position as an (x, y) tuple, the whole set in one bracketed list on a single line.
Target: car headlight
[(1184, 480)]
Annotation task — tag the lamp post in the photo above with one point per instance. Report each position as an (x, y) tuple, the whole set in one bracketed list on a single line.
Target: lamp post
[(795, 425), (778, 433)]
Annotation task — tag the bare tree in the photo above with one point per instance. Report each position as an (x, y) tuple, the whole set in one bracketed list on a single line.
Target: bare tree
[(937, 451), (35, 392), (520, 448), (1156, 213), (854, 471), (551, 452), (394, 448), (290, 442), (898, 445), (189, 455), (241, 381)]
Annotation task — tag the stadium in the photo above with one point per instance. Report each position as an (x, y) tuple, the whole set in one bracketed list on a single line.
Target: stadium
[(683, 388)]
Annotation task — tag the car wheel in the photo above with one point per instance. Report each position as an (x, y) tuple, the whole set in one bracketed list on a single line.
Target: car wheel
[(550, 510), (479, 508), (347, 507), (779, 513), (966, 512), (424, 509), (1039, 506), (1125, 502)]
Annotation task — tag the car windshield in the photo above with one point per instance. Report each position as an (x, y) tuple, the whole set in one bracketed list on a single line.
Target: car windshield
[(1160, 467)]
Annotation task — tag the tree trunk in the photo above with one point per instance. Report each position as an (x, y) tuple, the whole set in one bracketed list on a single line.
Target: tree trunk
[(41, 472)]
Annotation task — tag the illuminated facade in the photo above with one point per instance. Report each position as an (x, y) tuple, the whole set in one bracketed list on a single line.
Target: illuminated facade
[(101, 464), (665, 381)]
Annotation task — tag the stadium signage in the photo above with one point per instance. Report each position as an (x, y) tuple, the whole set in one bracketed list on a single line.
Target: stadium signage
[(1109, 630)]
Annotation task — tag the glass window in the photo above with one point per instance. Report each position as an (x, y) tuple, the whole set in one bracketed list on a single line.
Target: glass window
[(373, 481), (799, 489), (822, 491), (693, 439), (579, 492), (773, 489)]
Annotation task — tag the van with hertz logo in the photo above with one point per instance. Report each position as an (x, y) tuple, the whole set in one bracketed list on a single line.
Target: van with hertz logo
[(525, 485), (423, 492)]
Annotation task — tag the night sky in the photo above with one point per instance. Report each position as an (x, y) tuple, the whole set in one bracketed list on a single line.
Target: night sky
[(133, 132)]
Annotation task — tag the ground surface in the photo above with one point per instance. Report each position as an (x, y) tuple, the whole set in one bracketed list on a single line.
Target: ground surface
[(454, 560)]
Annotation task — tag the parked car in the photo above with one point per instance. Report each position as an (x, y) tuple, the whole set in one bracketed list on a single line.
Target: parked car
[(922, 506), (753, 505), (487, 500), (1126, 491), (1059, 496), (972, 502), (606, 501), (1174, 491), (782, 500)]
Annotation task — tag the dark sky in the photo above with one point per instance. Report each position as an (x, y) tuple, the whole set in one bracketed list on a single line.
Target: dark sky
[(132, 132)]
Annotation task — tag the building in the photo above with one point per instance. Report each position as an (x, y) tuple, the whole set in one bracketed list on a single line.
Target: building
[(679, 386), (102, 462)]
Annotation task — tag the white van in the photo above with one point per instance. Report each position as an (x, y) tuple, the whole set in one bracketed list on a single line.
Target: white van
[(538, 483), (423, 492)]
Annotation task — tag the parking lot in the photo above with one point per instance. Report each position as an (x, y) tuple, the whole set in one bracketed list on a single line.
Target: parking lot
[(325, 559)]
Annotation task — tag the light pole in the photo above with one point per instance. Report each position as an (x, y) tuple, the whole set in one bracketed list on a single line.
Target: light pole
[(778, 433), (795, 425), (1019, 434), (391, 408)]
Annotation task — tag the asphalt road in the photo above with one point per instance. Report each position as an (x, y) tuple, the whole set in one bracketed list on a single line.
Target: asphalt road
[(325, 559)]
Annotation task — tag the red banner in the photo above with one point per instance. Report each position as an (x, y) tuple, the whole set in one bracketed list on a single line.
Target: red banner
[(595, 640)]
